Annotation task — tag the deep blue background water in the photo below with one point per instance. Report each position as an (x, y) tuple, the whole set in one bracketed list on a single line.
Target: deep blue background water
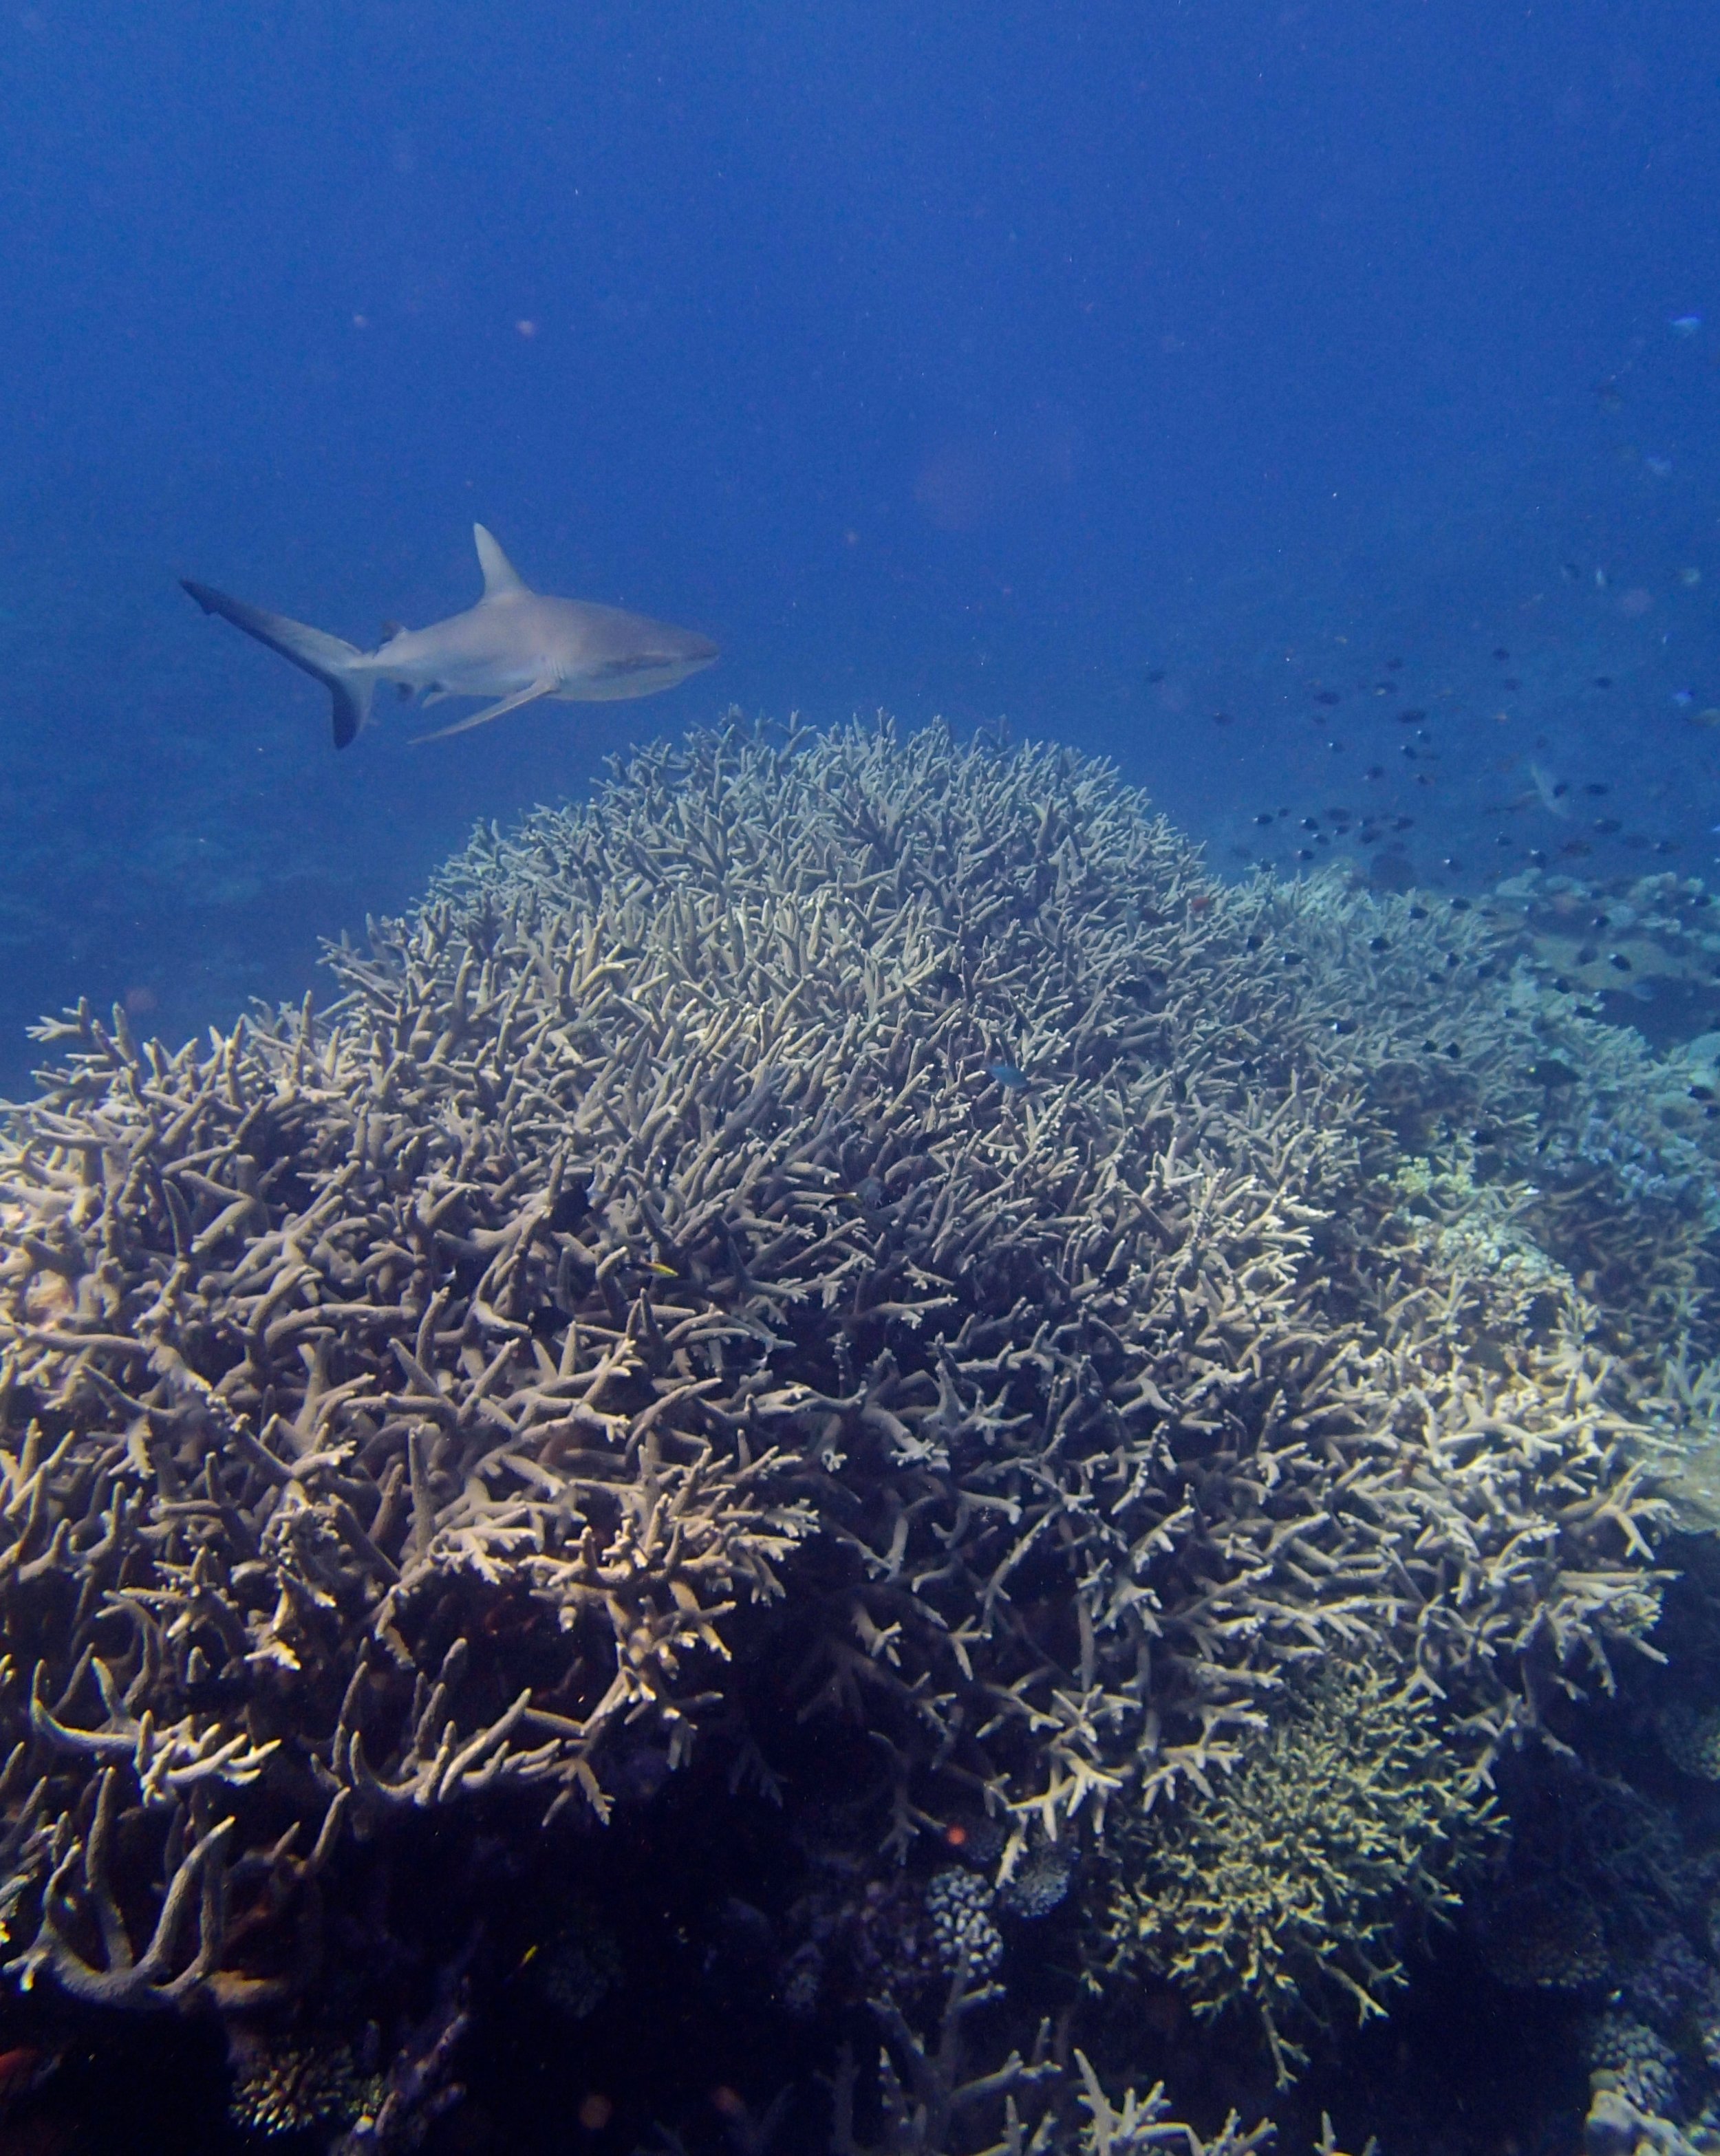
[(968, 359)]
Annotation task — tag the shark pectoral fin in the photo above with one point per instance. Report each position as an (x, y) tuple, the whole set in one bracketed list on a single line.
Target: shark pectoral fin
[(529, 696)]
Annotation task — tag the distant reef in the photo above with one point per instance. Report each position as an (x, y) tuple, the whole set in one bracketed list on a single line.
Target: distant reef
[(847, 1447)]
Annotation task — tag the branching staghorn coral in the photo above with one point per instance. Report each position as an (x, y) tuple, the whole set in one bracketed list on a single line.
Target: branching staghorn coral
[(1474, 1054), (1288, 1882), (885, 1180), (930, 2104)]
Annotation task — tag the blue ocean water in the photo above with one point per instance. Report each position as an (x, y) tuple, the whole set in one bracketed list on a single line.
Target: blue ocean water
[(1310, 405), (1106, 367)]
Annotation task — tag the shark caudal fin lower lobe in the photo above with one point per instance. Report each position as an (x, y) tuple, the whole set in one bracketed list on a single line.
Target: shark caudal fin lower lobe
[(329, 658)]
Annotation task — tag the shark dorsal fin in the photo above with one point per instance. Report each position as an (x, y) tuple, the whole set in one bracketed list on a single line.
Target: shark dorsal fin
[(501, 579)]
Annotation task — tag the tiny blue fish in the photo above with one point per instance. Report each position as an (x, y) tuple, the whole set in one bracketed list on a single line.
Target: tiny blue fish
[(1009, 1075), (1685, 324), (1662, 467), (1684, 698)]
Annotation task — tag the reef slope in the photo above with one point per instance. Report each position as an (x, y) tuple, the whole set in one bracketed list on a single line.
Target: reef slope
[(858, 1220)]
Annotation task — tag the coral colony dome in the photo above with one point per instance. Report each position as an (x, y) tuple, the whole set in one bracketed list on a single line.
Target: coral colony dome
[(838, 1380)]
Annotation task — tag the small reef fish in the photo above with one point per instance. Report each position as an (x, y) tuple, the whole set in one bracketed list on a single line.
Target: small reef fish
[(1552, 791), (1009, 1076), (1685, 324), (515, 646)]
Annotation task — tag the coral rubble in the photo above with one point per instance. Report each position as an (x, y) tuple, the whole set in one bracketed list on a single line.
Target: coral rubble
[(862, 1218)]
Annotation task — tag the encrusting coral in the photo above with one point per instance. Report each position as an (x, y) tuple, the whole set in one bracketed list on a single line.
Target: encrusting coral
[(1689, 1738), (873, 1208)]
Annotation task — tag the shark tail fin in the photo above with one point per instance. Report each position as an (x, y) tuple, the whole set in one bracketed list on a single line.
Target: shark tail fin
[(330, 659)]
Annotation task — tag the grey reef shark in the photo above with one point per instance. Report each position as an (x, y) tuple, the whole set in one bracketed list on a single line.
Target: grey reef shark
[(514, 646)]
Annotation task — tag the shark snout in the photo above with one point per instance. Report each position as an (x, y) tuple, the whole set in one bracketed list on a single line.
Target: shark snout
[(634, 657), (675, 655)]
